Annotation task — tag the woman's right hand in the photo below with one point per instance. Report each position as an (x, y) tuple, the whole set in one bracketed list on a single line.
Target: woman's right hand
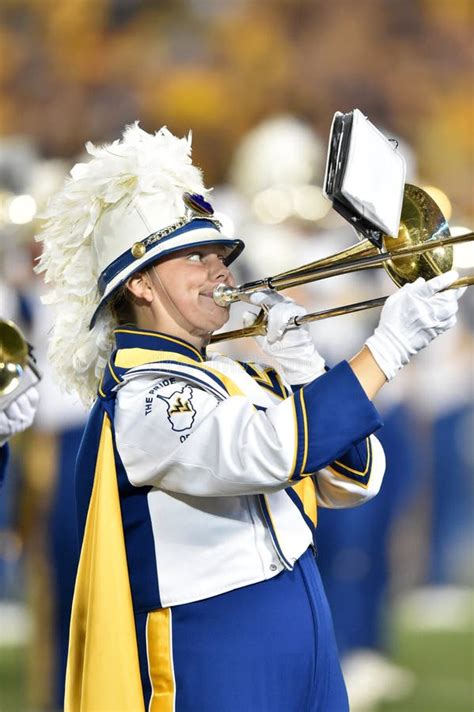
[(290, 346)]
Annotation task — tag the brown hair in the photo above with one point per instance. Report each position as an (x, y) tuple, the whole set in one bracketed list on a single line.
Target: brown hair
[(121, 306)]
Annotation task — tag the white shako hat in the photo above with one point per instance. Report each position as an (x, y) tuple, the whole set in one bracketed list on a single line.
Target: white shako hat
[(166, 216), (131, 236), (135, 201)]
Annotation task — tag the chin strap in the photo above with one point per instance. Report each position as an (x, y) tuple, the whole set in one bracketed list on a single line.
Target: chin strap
[(175, 312)]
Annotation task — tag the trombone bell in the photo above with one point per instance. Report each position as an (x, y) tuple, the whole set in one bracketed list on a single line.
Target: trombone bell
[(423, 248), (421, 222)]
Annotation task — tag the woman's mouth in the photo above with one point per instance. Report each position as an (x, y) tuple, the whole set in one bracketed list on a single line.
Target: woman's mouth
[(210, 295)]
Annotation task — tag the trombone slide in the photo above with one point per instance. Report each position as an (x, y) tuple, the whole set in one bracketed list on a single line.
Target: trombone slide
[(258, 328)]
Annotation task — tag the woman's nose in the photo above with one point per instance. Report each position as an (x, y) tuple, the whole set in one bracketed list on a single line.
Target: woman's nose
[(217, 269)]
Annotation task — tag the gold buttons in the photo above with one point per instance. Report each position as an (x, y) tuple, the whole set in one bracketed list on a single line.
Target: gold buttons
[(138, 250)]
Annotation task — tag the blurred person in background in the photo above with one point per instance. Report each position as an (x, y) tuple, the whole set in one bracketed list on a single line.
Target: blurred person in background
[(16, 158), (197, 479), (41, 511), (49, 455), (447, 419)]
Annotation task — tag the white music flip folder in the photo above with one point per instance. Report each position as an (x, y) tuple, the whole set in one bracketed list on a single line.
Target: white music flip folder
[(365, 176)]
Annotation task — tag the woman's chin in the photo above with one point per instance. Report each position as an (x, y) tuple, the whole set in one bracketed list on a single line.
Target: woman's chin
[(216, 325)]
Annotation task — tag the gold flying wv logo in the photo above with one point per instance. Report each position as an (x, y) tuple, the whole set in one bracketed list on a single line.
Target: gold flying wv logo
[(180, 406)]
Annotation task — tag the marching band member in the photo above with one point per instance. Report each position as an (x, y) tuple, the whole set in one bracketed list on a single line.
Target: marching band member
[(198, 478)]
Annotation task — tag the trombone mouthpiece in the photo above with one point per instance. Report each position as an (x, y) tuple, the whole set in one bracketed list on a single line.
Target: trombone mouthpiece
[(224, 295)]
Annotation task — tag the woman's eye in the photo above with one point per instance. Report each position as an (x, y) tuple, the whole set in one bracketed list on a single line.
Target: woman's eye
[(194, 257)]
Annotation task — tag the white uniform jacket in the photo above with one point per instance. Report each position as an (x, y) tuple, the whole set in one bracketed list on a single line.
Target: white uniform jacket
[(220, 466)]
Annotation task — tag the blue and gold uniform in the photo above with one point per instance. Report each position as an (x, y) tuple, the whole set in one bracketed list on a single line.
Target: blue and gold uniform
[(198, 482)]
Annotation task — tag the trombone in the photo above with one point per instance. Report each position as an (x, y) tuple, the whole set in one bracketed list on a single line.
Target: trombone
[(423, 248)]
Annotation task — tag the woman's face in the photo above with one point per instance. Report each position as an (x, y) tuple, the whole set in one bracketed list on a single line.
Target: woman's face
[(182, 287)]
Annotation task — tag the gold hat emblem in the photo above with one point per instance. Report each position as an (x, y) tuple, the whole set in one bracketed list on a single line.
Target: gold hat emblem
[(138, 250)]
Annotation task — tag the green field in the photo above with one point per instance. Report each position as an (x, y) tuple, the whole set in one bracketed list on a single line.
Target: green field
[(443, 663), (444, 667), (12, 679)]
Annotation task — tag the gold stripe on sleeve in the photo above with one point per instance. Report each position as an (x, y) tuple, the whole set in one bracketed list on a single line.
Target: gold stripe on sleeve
[(358, 472), (305, 425), (295, 452)]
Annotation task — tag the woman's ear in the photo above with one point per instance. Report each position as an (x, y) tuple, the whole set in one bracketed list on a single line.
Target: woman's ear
[(139, 285)]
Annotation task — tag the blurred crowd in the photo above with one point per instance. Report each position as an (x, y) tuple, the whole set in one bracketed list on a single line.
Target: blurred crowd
[(258, 83)]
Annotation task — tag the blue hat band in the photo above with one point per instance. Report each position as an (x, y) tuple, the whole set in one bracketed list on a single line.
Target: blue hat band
[(117, 273)]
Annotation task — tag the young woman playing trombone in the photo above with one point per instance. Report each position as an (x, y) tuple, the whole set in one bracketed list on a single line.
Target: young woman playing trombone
[(199, 477)]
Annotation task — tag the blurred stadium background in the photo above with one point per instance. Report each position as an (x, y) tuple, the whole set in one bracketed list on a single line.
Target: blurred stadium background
[(258, 82)]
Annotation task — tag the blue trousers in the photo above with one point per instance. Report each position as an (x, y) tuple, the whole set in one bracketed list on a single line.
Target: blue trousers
[(268, 647)]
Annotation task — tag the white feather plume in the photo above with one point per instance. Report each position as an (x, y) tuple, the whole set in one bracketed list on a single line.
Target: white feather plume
[(139, 163)]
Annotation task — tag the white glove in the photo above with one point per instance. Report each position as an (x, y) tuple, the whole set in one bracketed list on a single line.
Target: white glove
[(290, 346), (411, 318), (18, 415)]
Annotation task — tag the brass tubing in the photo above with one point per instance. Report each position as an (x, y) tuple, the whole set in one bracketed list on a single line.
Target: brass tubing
[(225, 295), (364, 248), (259, 327), (368, 304)]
